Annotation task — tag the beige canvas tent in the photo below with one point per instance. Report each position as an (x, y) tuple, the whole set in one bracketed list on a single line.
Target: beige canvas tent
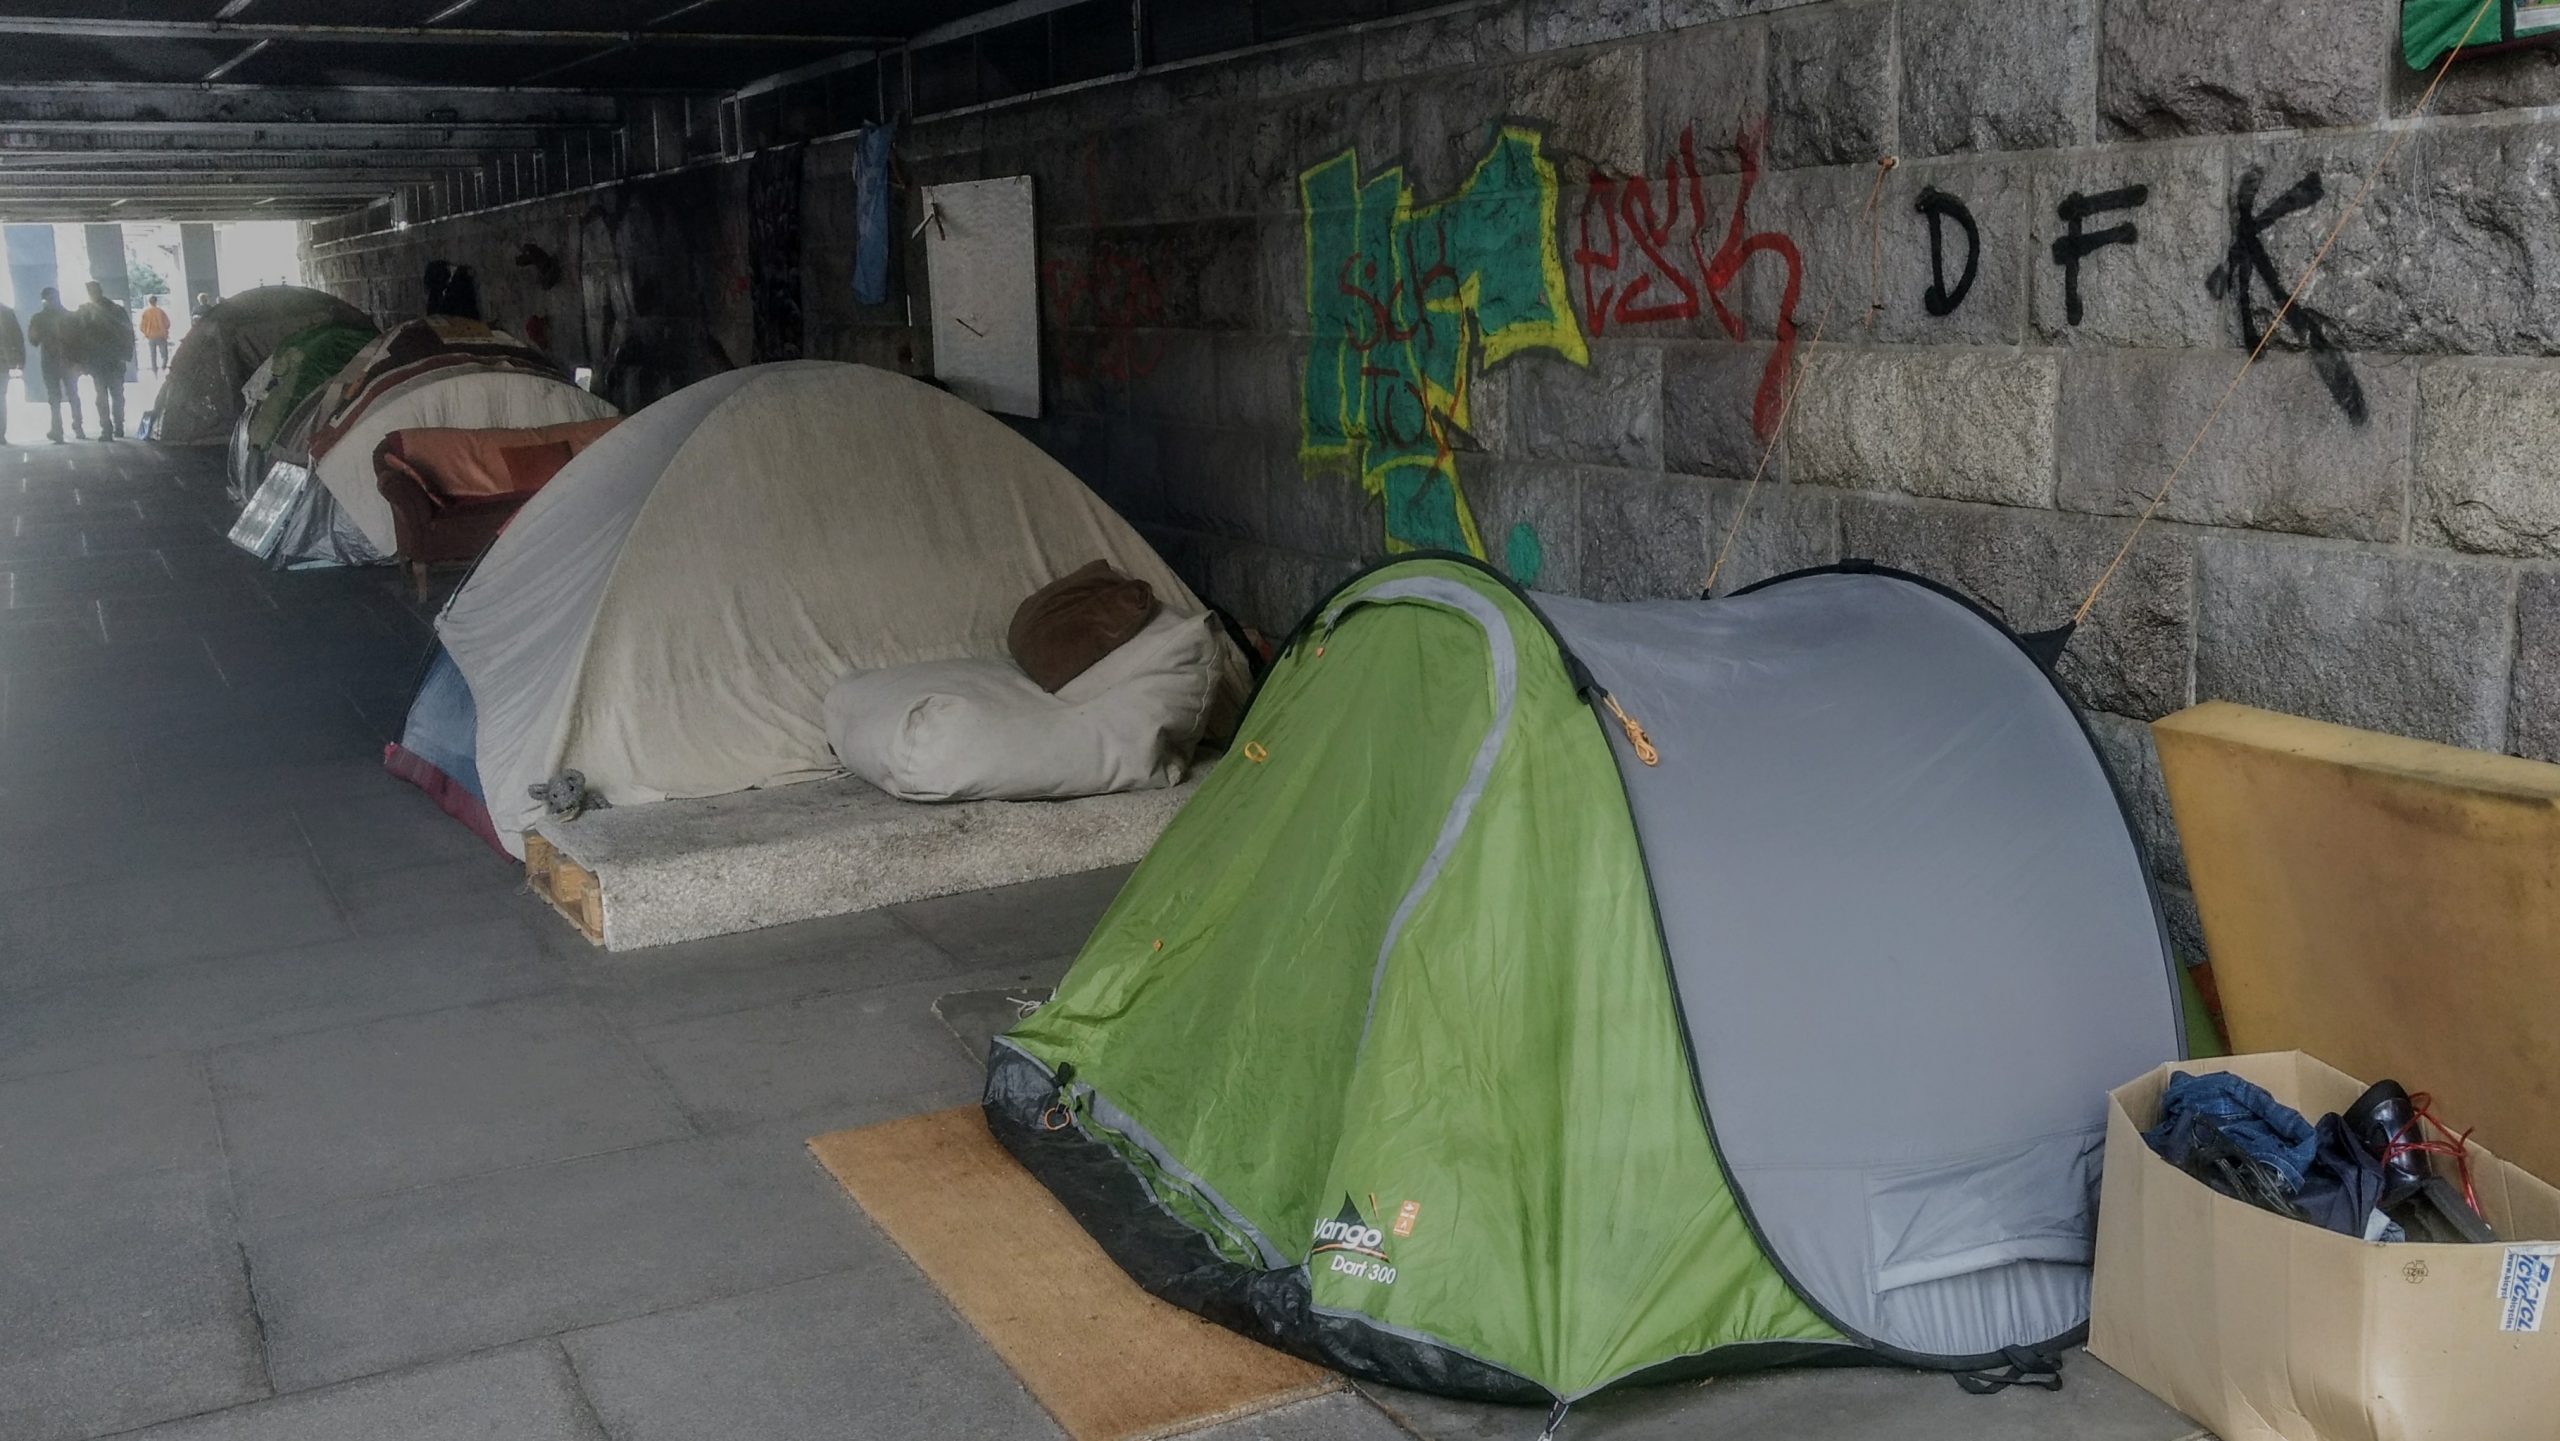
[(669, 614)]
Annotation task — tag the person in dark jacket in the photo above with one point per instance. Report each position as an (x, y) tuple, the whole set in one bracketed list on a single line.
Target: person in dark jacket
[(13, 356), (55, 334), (106, 332)]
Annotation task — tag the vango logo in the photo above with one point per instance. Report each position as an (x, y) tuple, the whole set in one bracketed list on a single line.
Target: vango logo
[(1349, 1236), (1353, 1246)]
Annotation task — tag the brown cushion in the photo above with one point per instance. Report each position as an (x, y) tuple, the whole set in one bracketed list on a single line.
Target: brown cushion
[(457, 464), (1076, 620), (530, 467)]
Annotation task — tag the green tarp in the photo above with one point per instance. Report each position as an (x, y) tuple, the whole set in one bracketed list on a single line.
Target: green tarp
[(2430, 28)]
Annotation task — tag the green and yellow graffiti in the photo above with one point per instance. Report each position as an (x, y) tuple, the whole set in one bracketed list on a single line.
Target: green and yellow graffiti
[(1407, 302)]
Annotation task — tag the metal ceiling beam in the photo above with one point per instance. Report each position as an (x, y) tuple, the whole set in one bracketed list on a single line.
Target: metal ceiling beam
[(82, 215), (990, 19), (248, 52), (47, 146), (216, 160), (181, 107), (114, 187), (811, 71), (116, 182), (109, 28)]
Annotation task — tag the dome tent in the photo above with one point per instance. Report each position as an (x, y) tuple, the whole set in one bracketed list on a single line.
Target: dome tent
[(200, 401), (1457, 1045), (300, 365), (668, 615), (319, 503)]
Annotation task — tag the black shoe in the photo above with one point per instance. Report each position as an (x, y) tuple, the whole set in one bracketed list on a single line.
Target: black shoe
[(2384, 1115)]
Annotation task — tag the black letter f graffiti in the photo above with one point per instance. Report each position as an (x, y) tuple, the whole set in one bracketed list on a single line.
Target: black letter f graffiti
[(2074, 244)]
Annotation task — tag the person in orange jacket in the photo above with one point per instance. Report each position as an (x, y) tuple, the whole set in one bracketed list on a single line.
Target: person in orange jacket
[(153, 322)]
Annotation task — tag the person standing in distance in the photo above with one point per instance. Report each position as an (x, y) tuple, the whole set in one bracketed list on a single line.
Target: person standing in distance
[(13, 356), (107, 335), (55, 334), (154, 324)]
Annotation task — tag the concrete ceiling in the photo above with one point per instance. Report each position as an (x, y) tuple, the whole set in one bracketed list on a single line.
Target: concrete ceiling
[(237, 109)]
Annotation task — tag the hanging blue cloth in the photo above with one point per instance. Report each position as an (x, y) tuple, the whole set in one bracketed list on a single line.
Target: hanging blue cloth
[(871, 237)]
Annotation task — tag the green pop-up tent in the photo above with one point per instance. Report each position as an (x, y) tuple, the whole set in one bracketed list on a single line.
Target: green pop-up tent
[(1453, 1039)]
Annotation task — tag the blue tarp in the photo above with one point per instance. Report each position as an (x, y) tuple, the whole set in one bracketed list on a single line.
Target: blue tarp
[(444, 725)]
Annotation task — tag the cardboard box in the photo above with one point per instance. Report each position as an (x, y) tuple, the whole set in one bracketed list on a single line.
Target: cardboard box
[(2262, 1327)]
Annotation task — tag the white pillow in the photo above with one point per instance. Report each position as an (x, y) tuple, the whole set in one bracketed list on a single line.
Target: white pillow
[(968, 730)]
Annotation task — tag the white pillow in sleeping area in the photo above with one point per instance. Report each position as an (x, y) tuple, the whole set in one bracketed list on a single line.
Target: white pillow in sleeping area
[(970, 730)]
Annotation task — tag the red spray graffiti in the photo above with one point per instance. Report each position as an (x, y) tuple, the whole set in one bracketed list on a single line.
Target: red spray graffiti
[(1111, 291), (1619, 288)]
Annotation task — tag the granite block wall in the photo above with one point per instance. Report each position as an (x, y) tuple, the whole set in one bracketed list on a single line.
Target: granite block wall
[(1548, 280)]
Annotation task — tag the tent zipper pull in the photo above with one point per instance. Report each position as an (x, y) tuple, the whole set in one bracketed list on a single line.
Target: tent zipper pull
[(1635, 731)]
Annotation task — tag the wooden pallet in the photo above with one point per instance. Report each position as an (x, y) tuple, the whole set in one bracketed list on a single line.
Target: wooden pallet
[(571, 888)]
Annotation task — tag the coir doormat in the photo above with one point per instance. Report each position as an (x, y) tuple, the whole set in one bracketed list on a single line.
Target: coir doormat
[(1107, 1360)]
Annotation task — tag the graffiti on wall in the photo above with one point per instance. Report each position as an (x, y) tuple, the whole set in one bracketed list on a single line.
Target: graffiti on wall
[(2248, 266), (1109, 294), (1112, 298), (1630, 238), (2077, 242), (1407, 302), (2246, 275)]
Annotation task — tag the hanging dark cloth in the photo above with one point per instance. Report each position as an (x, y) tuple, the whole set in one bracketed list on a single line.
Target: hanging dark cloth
[(773, 252), (873, 243)]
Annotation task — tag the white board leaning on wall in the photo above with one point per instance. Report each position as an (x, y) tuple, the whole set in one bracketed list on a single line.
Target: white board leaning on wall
[(986, 292)]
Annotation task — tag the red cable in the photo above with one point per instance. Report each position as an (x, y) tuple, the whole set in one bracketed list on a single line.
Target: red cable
[(2459, 1148)]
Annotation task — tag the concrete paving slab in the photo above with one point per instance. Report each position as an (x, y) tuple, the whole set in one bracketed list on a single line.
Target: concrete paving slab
[(388, 828), (1018, 923), (869, 1352), (521, 1393), (135, 923), (82, 579), (228, 595), (37, 744), (107, 1122), (1344, 1417), (524, 1253), (482, 886), (123, 1301), (213, 792), (116, 537), (34, 788), (858, 952), (2095, 1404), (361, 1110), (809, 1055), (109, 674), (69, 839), (331, 730), (199, 1005), (976, 1018)]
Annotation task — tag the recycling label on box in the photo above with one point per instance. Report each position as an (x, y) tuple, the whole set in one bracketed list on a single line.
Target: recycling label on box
[(2524, 1287)]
